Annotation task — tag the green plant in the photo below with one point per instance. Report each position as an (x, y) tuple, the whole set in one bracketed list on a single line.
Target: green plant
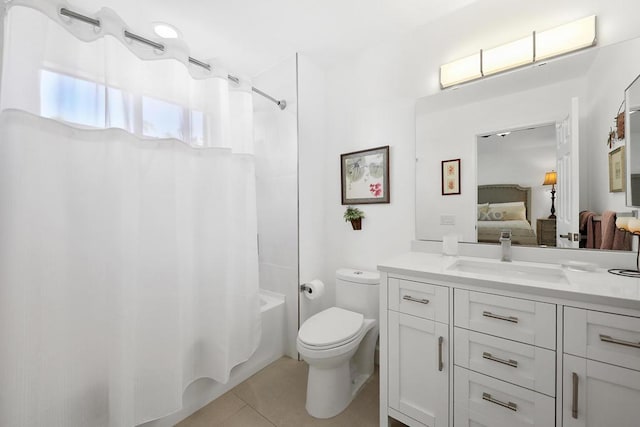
[(352, 214)]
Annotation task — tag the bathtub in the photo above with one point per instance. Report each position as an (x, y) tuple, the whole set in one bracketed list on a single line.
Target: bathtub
[(204, 390)]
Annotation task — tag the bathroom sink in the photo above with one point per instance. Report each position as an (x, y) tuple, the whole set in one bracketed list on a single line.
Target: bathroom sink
[(510, 270)]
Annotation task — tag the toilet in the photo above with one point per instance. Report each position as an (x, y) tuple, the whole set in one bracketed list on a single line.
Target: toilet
[(339, 343)]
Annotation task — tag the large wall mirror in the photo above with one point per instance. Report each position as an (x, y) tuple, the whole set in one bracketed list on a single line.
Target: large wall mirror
[(527, 139)]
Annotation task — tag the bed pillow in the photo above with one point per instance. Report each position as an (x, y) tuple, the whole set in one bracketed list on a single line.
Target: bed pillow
[(507, 211), (483, 211)]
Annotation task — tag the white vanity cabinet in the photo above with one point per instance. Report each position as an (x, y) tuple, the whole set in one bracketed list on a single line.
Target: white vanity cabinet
[(601, 379), (418, 353), (470, 351)]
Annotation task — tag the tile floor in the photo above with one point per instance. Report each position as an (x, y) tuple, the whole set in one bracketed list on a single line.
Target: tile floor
[(276, 396)]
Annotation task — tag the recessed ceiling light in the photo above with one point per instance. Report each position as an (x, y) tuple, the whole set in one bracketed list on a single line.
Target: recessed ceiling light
[(165, 31)]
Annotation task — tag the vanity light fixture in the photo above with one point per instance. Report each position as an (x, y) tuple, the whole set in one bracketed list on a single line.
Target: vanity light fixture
[(566, 38), (462, 70), (507, 56), (538, 46), (551, 178)]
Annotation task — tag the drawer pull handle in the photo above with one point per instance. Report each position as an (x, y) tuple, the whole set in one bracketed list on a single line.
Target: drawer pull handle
[(440, 362), (574, 397), (511, 319), (510, 362), (510, 405), (412, 299), (607, 338)]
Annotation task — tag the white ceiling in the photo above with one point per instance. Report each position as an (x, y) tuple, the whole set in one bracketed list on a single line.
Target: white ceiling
[(250, 36), (539, 138)]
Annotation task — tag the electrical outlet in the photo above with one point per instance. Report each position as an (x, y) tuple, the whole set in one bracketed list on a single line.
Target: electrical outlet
[(447, 220)]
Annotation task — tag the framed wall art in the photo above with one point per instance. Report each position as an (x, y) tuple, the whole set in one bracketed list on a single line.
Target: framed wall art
[(365, 176), (617, 165), (450, 177)]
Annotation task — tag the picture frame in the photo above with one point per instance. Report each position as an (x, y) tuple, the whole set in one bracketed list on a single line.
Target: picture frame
[(450, 177), (617, 170), (365, 176)]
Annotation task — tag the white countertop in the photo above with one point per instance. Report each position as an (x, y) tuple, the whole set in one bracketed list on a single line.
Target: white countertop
[(596, 287)]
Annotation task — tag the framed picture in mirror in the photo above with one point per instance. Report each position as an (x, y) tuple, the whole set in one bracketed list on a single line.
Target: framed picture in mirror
[(617, 177), (365, 176), (450, 177)]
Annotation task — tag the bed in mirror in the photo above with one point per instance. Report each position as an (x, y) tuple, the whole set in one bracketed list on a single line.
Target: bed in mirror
[(511, 167), (505, 207)]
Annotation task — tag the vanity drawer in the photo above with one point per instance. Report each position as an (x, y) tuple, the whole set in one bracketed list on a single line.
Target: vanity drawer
[(419, 299), (482, 400), (606, 337), (516, 319), (521, 364)]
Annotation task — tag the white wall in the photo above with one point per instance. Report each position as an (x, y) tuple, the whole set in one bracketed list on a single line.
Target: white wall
[(276, 150), (312, 130), (371, 97)]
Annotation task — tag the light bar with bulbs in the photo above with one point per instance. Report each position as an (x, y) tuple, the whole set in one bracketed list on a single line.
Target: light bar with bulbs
[(538, 46), (461, 71)]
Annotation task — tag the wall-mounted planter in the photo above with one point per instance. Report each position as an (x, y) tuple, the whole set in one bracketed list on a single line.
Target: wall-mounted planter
[(354, 215)]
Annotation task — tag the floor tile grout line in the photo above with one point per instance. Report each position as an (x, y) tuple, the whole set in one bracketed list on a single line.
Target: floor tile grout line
[(255, 409), (237, 411)]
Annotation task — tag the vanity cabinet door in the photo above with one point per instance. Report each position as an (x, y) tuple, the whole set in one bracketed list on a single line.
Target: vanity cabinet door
[(606, 337), (419, 369), (517, 319), (481, 400), (597, 394), (521, 364), (419, 299)]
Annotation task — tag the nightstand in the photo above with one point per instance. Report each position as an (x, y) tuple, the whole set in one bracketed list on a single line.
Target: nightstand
[(546, 231)]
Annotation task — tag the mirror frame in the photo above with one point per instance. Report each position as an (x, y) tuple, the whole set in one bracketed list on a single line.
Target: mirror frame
[(627, 132)]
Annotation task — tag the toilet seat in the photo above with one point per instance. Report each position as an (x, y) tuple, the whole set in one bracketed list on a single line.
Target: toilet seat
[(331, 328)]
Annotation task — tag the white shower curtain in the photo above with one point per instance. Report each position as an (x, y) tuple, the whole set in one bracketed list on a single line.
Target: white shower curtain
[(128, 258)]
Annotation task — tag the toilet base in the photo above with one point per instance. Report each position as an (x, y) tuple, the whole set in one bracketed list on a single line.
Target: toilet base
[(321, 404), (324, 404), (332, 384)]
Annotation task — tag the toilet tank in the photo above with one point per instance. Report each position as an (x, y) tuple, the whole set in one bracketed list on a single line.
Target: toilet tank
[(357, 290)]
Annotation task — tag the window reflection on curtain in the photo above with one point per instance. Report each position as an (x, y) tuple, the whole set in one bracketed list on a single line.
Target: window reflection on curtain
[(72, 100), (83, 102), (162, 119)]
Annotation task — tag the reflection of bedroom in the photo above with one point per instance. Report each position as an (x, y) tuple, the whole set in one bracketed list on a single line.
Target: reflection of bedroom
[(517, 158)]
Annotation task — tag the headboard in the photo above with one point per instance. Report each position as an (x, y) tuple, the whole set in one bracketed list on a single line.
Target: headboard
[(502, 193)]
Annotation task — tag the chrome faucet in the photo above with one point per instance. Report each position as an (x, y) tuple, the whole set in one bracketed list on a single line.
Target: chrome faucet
[(505, 242)]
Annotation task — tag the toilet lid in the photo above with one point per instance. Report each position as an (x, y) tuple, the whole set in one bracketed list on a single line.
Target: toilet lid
[(331, 326)]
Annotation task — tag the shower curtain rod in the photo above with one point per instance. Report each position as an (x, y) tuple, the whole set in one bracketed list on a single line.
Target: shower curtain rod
[(96, 22)]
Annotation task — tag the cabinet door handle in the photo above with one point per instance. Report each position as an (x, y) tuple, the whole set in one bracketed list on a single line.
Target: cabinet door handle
[(574, 397), (511, 319), (607, 338), (510, 362), (412, 299), (440, 362), (509, 405)]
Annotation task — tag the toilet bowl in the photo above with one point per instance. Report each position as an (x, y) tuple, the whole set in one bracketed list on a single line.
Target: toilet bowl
[(339, 344)]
